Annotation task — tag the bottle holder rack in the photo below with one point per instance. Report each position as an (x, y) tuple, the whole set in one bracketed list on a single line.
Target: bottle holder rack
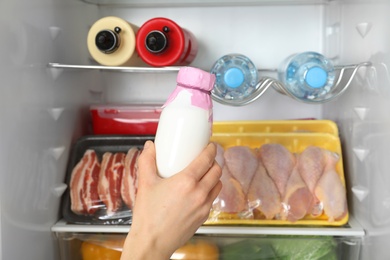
[(345, 75)]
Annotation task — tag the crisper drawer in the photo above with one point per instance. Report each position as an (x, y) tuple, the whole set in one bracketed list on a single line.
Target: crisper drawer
[(108, 246)]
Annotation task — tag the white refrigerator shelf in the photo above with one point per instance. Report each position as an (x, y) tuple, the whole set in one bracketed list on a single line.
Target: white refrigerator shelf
[(352, 229)]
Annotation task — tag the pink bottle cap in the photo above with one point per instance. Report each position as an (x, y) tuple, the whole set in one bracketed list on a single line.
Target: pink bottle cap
[(199, 83), (195, 78)]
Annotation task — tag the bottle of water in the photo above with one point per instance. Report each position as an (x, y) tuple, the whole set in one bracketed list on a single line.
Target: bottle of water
[(185, 125), (307, 76), (236, 79)]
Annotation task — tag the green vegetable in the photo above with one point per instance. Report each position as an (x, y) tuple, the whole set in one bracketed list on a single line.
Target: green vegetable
[(248, 249), (304, 248)]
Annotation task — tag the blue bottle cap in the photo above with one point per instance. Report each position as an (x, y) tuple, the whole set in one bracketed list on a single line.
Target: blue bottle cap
[(316, 77), (233, 77)]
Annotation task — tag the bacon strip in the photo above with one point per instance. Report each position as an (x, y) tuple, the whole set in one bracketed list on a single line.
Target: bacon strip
[(83, 184), (110, 179), (130, 178)]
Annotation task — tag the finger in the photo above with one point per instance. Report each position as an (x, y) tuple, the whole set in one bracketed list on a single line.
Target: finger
[(215, 191), (147, 169), (203, 162), (210, 199), (211, 178)]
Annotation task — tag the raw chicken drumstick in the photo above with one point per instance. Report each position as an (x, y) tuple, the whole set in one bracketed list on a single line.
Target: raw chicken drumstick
[(263, 196), (242, 163), (311, 164), (279, 163), (331, 191), (231, 198), (297, 199)]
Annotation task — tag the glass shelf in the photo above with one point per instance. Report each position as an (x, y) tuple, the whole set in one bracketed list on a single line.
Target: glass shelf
[(114, 68), (352, 229)]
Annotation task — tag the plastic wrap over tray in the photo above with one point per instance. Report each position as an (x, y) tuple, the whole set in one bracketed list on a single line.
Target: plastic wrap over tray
[(102, 179), (280, 179)]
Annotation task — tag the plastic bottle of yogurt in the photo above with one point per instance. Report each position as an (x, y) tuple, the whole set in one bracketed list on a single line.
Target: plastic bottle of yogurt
[(185, 124)]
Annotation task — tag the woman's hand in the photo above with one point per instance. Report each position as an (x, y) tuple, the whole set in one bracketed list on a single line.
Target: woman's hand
[(168, 212)]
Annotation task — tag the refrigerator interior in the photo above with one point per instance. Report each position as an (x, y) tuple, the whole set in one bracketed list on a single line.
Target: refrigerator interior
[(45, 107)]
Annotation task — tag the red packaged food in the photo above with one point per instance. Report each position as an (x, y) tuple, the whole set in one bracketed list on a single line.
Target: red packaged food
[(121, 119)]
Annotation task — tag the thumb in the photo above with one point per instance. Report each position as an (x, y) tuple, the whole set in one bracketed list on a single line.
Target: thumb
[(147, 170)]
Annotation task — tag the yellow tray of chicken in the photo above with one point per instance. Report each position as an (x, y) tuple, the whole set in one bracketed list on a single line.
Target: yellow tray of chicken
[(276, 178)]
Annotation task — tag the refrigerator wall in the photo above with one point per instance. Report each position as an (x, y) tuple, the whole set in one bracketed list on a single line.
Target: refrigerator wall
[(363, 118), (41, 113), (44, 109)]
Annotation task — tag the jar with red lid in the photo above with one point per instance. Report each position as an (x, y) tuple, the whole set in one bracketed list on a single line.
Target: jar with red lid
[(162, 42)]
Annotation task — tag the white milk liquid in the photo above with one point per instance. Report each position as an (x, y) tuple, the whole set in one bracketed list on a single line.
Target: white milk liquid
[(182, 134)]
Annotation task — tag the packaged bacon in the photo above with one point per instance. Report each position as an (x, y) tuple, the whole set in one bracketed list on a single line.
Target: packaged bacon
[(102, 179), (83, 184)]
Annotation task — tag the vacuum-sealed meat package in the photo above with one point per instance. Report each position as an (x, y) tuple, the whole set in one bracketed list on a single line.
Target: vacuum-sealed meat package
[(102, 179), (280, 179)]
